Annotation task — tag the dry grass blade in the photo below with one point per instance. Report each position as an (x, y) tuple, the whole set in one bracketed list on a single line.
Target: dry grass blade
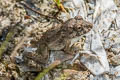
[(53, 65), (19, 45)]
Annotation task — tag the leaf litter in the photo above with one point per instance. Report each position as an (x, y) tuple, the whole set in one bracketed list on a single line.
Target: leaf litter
[(98, 58)]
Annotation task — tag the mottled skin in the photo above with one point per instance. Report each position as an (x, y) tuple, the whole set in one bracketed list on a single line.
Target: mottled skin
[(60, 38)]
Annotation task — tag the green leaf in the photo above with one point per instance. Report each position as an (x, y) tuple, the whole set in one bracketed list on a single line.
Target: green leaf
[(57, 2)]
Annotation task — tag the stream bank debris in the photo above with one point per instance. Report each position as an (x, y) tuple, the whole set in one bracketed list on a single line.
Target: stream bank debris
[(101, 47)]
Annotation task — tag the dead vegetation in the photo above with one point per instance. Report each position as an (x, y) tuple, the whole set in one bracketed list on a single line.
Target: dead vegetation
[(24, 22)]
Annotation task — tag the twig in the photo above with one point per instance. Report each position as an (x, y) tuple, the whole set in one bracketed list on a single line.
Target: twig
[(27, 6)]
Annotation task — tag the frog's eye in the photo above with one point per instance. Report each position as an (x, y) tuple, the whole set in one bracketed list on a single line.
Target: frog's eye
[(78, 18)]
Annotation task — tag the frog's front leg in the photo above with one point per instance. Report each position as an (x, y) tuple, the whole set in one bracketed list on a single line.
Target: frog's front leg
[(74, 45), (67, 48)]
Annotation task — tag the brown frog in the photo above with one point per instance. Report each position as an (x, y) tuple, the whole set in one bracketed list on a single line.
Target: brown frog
[(59, 38)]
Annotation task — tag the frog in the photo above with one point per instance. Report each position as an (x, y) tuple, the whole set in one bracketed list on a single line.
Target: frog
[(63, 37)]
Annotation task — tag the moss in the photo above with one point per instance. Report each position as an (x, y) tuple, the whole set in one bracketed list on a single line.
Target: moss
[(6, 42)]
